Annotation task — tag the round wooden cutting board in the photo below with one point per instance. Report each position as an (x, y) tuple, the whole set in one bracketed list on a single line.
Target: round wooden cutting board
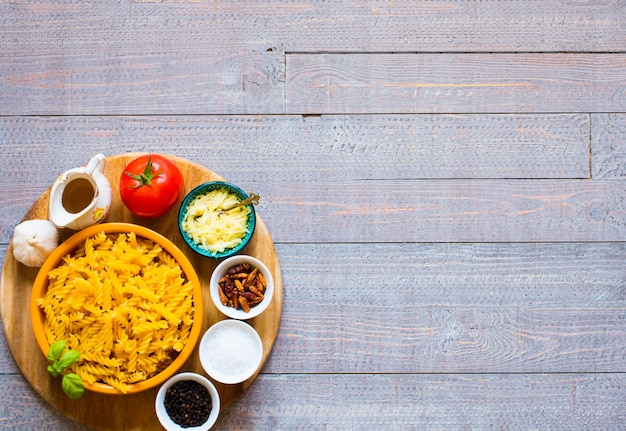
[(128, 412)]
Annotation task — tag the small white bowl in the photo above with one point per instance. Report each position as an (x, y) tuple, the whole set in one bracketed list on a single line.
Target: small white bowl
[(223, 268), (164, 417), (231, 351)]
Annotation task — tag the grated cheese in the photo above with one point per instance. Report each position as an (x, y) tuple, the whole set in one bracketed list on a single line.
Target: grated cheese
[(211, 230)]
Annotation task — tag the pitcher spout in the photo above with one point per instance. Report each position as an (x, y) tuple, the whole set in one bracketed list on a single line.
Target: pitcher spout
[(80, 197)]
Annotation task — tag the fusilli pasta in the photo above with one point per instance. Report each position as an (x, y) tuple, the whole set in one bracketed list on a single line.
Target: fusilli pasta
[(124, 303)]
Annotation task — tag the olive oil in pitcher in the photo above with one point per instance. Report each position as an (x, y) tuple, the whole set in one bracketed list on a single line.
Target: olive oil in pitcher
[(77, 195)]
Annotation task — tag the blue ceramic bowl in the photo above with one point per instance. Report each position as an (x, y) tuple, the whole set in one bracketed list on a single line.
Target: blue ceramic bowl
[(204, 189)]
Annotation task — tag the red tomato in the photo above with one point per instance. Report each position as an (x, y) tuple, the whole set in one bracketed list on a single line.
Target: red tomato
[(151, 185)]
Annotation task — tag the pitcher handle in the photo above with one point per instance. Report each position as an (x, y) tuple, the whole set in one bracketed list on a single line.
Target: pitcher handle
[(94, 163)]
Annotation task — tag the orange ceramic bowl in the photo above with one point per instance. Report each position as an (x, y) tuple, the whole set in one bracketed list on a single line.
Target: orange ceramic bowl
[(68, 247)]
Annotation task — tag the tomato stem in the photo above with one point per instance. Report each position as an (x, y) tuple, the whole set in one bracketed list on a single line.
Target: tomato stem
[(144, 179)]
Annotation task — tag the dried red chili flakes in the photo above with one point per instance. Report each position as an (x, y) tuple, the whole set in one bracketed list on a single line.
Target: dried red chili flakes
[(242, 287)]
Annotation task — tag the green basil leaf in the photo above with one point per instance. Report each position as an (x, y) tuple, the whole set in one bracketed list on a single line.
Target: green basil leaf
[(69, 358), (57, 369), (52, 370), (73, 386), (55, 350)]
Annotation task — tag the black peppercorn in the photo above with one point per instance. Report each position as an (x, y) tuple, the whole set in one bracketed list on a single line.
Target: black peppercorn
[(188, 403)]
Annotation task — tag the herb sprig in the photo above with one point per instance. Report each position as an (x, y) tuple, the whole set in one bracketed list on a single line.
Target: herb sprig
[(72, 384)]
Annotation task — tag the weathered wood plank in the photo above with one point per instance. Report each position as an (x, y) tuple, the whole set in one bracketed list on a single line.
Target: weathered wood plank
[(415, 402), (399, 402), (104, 82), (22, 409), (298, 149), (313, 25), (418, 211), (608, 136), (455, 83), (450, 308), (447, 211)]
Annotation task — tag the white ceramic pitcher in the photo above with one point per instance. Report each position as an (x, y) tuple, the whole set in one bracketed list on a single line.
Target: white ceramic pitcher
[(81, 197)]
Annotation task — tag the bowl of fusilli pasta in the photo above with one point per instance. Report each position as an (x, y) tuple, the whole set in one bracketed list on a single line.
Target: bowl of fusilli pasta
[(127, 299)]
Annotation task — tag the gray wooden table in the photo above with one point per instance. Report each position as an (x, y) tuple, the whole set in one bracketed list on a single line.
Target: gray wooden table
[(445, 182)]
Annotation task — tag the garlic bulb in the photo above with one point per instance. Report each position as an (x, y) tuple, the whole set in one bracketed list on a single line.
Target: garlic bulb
[(33, 241)]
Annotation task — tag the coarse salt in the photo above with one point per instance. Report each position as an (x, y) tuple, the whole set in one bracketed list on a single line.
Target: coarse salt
[(232, 352)]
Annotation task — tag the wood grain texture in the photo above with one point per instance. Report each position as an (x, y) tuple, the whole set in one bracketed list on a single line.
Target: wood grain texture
[(607, 146), (415, 402), (454, 83), (144, 27), (452, 308), (452, 211), (25, 410), (103, 82), (359, 146)]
